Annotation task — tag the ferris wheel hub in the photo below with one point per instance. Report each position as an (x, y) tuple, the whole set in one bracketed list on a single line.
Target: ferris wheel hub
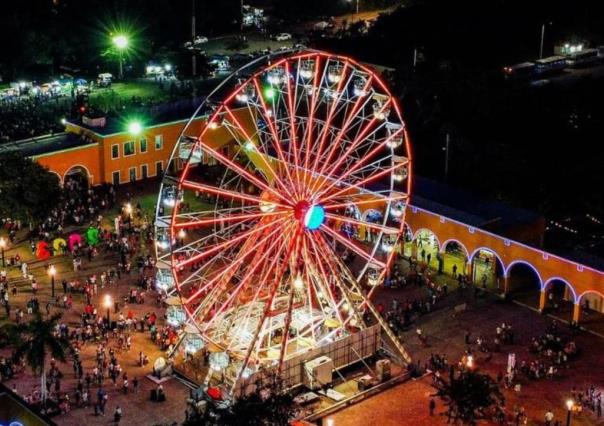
[(311, 216)]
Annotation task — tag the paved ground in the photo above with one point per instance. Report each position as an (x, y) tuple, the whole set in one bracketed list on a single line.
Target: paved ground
[(408, 403), (137, 409)]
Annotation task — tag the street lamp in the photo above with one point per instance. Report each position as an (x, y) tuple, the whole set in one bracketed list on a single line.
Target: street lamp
[(121, 43), (128, 210), (135, 128), (357, 7), (107, 303), (569, 406), (2, 247), (52, 272)]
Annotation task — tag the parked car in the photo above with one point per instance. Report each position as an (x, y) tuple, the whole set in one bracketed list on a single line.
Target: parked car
[(283, 37)]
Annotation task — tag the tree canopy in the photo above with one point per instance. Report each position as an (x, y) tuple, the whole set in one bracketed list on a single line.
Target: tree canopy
[(28, 191), (470, 396)]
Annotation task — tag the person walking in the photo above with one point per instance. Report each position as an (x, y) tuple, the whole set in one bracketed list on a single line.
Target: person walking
[(117, 415), (432, 406), (549, 417)]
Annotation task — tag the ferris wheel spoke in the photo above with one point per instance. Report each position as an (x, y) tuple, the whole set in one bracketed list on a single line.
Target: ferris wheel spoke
[(226, 193), (275, 140), (261, 256), (243, 173), (337, 273), (263, 280), (352, 201), (386, 229), (226, 219), (214, 249), (293, 145), (313, 105), (235, 264), (359, 185), (353, 146), (348, 119), (322, 136), (278, 279), (249, 137), (350, 245), (316, 260)]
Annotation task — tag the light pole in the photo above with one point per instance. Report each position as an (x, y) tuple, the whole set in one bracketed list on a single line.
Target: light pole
[(121, 43), (52, 272), (107, 303), (129, 210), (2, 247), (542, 38), (569, 406)]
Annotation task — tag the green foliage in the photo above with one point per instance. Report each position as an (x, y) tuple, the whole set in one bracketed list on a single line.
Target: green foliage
[(269, 405), (470, 396), (28, 191), (35, 339)]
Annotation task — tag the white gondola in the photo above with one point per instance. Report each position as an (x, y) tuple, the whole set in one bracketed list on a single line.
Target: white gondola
[(246, 93), (395, 135), (388, 243), (175, 313), (401, 171), (307, 70), (276, 76), (334, 73), (192, 340), (162, 239), (380, 109), (164, 280), (359, 87), (374, 274), (397, 209), (171, 196), (219, 360), (188, 148)]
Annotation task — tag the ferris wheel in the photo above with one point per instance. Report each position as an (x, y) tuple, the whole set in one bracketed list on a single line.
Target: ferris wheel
[(285, 206)]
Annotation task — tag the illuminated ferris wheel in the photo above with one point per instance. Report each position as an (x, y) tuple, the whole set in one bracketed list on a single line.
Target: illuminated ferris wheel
[(284, 207)]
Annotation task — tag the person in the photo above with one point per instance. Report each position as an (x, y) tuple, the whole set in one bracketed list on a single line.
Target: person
[(117, 414), (432, 406), (549, 417), (135, 385)]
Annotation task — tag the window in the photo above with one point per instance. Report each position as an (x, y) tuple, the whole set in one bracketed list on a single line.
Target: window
[(115, 177), (132, 174), (144, 171), (128, 148), (143, 143), (159, 168), (159, 142), (115, 151)]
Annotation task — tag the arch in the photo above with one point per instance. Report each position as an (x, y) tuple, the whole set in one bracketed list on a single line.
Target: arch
[(57, 175), (453, 240), (471, 257), (430, 231), (507, 270), (74, 168), (562, 280), (587, 292)]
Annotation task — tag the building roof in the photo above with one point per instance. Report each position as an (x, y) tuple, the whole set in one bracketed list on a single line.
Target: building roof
[(46, 144), (466, 207)]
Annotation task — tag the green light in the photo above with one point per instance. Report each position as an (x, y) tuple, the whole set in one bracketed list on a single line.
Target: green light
[(120, 41), (135, 128), (63, 121), (269, 92)]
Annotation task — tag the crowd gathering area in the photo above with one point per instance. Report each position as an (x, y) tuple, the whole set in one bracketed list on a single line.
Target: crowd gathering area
[(110, 311), (114, 320)]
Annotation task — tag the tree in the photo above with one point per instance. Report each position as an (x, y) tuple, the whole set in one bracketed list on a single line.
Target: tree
[(33, 341), (28, 191), (469, 397), (271, 404)]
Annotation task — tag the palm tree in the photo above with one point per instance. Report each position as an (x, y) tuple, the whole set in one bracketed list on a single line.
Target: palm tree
[(470, 396), (34, 340)]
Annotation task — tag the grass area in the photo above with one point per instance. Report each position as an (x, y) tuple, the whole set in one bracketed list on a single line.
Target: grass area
[(121, 93)]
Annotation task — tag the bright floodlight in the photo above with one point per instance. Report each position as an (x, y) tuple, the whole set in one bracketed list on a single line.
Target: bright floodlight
[(167, 67), (134, 128), (120, 41)]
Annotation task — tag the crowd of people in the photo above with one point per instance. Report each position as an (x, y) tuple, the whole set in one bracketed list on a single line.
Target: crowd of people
[(28, 117)]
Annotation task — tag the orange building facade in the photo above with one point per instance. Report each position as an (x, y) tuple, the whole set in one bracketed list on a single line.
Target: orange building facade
[(120, 158)]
